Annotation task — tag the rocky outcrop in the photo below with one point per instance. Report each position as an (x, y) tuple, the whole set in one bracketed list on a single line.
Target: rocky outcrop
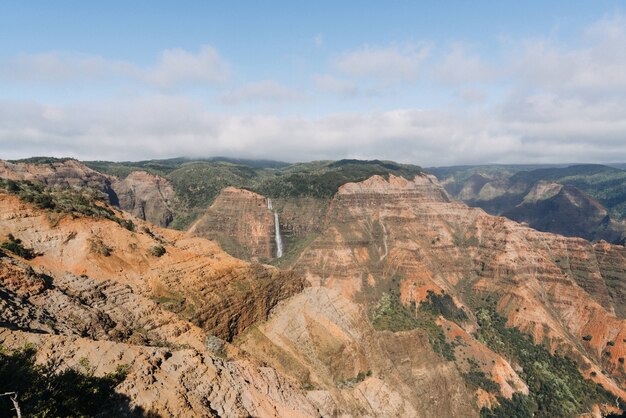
[(153, 313), (241, 222), (146, 196), (62, 173), (327, 342), (175, 382)]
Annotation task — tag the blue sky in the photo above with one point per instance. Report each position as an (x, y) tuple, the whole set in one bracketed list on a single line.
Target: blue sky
[(434, 83)]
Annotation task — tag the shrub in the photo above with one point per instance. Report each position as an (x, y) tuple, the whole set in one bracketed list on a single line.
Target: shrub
[(587, 337), (353, 381), (216, 345), (126, 223), (390, 314), (478, 379), (45, 391), (519, 406), (16, 247), (85, 202), (157, 250), (443, 305), (12, 186), (97, 246), (557, 389)]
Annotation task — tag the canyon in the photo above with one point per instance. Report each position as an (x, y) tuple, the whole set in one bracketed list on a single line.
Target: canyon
[(389, 298)]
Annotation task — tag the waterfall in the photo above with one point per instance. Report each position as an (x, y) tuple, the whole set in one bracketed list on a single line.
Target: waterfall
[(279, 239)]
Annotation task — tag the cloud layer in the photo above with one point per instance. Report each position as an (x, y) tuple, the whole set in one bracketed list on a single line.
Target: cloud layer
[(533, 100), (390, 64), (175, 67)]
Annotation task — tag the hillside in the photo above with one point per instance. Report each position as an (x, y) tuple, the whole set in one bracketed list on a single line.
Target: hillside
[(392, 299), (592, 204), (198, 182), (96, 293), (385, 245)]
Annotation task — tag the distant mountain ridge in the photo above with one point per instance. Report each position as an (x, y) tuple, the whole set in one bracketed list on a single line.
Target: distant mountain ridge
[(176, 192), (592, 204)]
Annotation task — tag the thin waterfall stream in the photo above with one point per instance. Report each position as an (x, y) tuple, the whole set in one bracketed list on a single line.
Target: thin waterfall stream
[(277, 237)]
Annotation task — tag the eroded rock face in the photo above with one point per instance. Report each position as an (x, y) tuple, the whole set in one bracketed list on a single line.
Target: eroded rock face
[(151, 313), (326, 342), (179, 382), (146, 197), (310, 350), (68, 173), (241, 221), (404, 236)]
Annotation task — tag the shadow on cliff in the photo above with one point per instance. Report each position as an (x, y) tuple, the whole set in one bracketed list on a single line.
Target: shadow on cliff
[(49, 390)]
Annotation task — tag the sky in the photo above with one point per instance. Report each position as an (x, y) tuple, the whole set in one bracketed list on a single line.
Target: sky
[(430, 83)]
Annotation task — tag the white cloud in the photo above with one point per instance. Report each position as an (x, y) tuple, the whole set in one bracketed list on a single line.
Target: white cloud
[(261, 91), (318, 40), (54, 67), (165, 126), (175, 67), (389, 64), (471, 95), (461, 67), (332, 84), (595, 67)]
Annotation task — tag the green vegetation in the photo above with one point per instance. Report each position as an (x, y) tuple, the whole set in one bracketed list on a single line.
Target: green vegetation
[(41, 160), (479, 379), (604, 183), (323, 181), (294, 249), (519, 406), (85, 202), (157, 250), (198, 182), (16, 247), (97, 246), (476, 378), (599, 181), (390, 314), (443, 305), (47, 391), (427, 322), (557, 389)]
